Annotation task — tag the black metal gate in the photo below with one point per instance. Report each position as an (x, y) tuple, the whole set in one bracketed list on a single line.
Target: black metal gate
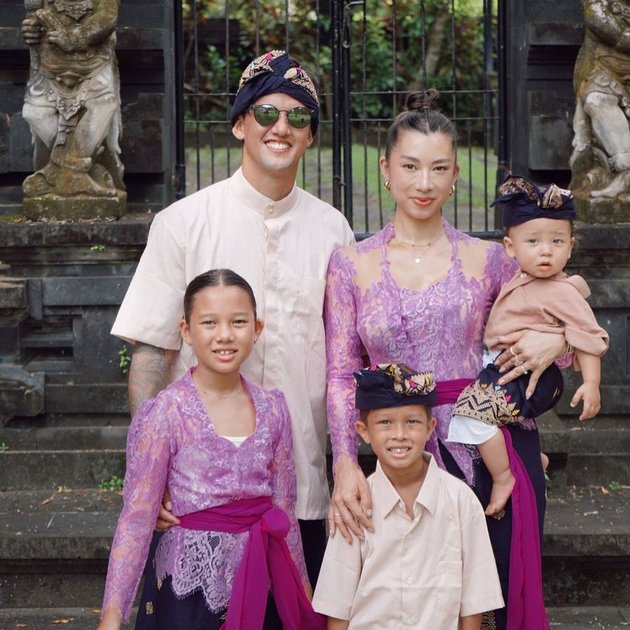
[(366, 55)]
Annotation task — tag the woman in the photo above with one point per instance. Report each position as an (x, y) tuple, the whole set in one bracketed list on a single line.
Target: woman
[(419, 292)]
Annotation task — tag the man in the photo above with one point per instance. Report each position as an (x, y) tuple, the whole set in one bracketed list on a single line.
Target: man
[(277, 236)]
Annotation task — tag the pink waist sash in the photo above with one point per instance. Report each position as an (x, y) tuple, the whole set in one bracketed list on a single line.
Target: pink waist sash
[(525, 604), (266, 559), (447, 392)]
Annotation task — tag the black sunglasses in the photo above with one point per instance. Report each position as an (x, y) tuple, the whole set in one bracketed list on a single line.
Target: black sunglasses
[(267, 115)]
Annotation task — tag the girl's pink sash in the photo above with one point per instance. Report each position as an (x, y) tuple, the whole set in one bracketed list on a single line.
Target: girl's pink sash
[(266, 559)]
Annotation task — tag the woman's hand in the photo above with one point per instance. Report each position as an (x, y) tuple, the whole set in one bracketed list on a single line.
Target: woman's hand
[(351, 504), (528, 351), (166, 519)]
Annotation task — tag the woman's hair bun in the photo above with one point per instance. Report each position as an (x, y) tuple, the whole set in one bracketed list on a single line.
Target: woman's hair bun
[(423, 101)]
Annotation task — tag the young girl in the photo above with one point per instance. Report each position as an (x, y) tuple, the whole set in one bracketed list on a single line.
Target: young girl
[(539, 297), (222, 447)]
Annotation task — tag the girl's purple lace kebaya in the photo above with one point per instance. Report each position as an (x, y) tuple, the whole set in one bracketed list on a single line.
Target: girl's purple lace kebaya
[(172, 443)]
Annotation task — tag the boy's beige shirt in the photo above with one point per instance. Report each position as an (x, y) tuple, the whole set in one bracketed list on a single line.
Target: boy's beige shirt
[(282, 249), (423, 573)]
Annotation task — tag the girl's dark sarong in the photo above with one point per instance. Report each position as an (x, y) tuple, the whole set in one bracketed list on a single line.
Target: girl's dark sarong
[(313, 535), (191, 613), (159, 609)]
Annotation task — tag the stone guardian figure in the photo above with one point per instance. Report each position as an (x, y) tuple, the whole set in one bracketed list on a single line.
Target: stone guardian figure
[(600, 162), (72, 105)]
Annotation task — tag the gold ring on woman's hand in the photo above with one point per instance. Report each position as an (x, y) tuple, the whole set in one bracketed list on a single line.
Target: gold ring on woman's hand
[(512, 352), (524, 369)]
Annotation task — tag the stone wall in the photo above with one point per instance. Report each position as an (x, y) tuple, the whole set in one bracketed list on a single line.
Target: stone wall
[(602, 256), (543, 39), (62, 287)]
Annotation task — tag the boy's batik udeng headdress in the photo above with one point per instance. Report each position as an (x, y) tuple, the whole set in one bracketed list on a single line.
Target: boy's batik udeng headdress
[(271, 73), (520, 200), (392, 385)]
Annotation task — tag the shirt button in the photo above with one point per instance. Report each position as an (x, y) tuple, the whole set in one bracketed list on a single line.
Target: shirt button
[(409, 580), (410, 621), (270, 209)]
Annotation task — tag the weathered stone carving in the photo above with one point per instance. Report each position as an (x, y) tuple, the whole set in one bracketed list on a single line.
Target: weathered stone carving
[(600, 162), (72, 105)]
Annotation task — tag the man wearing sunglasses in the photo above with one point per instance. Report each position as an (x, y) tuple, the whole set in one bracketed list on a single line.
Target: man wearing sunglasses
[(278, 237)]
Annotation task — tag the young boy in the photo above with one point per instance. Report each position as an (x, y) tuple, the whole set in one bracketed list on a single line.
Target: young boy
[(428, 563), (539, 235)]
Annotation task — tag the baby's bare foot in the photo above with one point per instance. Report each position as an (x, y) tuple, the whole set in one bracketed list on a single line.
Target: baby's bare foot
[(502, 486)]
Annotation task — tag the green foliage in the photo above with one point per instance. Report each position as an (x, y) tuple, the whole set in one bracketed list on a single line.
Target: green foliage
[(113, 483), (98, 248), (614, 486), (3, 447), (124, 359), (402, 50)]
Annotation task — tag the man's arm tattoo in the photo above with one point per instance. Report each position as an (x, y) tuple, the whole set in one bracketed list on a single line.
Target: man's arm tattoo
[(148, 373)]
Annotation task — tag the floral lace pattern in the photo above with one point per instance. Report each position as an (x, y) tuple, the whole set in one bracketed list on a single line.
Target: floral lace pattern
[(172, 443), (438, 329)]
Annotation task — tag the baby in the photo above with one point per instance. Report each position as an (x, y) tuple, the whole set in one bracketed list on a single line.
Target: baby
[(539, 235)]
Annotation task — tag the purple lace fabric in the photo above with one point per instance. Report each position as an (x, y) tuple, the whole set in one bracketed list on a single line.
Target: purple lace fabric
[(172, 443), (438, 328)]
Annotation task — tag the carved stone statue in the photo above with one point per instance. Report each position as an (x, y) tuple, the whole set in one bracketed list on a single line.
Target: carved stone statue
[(600, 162), (72, 105)]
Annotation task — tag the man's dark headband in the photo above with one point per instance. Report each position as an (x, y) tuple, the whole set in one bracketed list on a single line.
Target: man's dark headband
[(272, 73)]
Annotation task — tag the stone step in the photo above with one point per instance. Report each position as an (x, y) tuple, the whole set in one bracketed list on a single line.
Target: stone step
[(586, 549), (66, 438), (54, 547), (582, 618), (77, 451), (82, 450), (48, 470), (594, 452), (85, 420)]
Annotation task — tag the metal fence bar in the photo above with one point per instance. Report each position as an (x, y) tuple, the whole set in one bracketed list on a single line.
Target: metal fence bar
[(359, 97)]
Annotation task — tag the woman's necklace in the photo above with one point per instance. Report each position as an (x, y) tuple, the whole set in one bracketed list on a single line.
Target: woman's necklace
[(416, 256)]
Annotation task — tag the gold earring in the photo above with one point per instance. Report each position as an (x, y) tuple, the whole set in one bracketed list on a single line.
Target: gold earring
[(452, 191), (386, 184)]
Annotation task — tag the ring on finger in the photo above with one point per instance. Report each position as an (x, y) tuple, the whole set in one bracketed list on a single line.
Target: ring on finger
[(513, 352), (336, 514), (518, 361), (524, 369)]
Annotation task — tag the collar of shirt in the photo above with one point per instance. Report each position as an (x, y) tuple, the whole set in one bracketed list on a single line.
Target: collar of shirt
[(522, 277), (256, 201), (389, 498)]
